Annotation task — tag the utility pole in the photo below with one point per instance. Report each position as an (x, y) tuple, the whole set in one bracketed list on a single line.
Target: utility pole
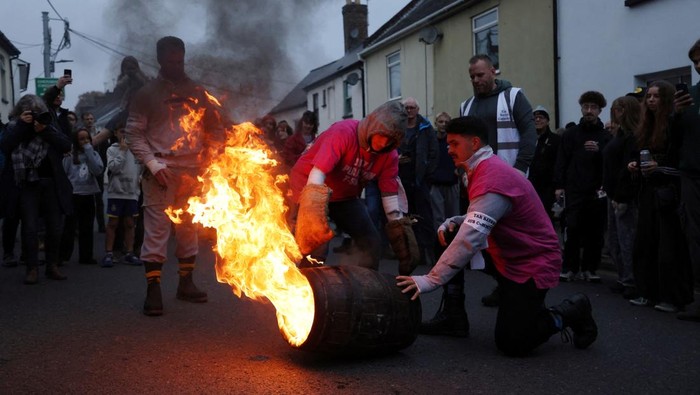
[(47, 44)]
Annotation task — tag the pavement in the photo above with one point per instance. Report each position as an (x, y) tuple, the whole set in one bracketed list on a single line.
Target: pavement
[(87, 335)]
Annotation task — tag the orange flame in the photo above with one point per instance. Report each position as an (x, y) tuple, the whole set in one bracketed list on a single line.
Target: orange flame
[(240, 198)]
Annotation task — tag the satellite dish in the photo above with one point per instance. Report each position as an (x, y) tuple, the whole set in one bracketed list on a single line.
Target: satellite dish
[(429, 35), (352, 79)]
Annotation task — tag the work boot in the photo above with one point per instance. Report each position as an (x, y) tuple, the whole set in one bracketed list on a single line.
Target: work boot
[(32, 276), (493, 299), (53, 273), (153, 306), (186, 290), (450, 320), (576, 313)]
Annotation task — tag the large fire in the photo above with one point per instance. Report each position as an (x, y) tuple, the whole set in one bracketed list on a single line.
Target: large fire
[(240, 198)]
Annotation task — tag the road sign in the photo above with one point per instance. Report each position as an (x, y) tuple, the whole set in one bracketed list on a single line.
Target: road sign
[(42, 84)]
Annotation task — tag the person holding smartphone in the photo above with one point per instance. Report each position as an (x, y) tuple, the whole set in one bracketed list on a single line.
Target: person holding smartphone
[(686, 128), (53, 97)]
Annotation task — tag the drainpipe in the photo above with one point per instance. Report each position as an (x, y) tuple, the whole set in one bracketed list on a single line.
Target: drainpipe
[(555, 24)]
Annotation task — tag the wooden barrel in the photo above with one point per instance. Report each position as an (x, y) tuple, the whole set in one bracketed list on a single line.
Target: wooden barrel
[(359, 311)]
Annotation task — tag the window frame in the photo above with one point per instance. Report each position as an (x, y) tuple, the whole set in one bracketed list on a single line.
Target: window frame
[(393, 66), (486, 27)]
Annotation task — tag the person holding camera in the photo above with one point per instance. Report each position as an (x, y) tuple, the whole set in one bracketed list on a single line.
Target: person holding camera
[(34, 181)]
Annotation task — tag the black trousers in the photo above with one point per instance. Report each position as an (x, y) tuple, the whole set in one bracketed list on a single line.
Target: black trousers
[(523, 322), (661, 264), (585, 226), (690, 215), (83, 219)]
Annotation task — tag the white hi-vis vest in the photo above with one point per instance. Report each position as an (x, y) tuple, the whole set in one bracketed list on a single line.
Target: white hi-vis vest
[(508, 137)]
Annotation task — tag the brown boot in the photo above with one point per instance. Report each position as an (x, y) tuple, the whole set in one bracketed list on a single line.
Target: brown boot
[(32, 276), (53, 273), (186, 290), (153, 306)]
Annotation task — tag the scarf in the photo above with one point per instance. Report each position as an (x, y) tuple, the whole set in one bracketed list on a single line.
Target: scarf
[(26, 159)]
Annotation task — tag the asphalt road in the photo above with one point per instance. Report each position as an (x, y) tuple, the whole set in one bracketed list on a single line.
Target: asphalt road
[(88, 335)]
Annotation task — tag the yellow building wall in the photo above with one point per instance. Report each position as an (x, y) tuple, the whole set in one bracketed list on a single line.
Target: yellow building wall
[(437, 75)]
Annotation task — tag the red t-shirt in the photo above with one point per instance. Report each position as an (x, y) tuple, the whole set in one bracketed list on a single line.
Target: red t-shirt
[(337, 153)]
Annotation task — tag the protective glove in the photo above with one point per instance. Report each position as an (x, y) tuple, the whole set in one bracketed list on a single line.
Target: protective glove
[(312, 221), (403, 242)]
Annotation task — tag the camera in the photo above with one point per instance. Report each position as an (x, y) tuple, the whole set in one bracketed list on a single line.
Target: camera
[(43, 118)]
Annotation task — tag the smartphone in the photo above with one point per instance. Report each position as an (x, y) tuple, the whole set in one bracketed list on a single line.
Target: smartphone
[(68, 72), (681, 89)]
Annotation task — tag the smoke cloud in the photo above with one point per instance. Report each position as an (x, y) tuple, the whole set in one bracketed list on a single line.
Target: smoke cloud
[(236, 49)]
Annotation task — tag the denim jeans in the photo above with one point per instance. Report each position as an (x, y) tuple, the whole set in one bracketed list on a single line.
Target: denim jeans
[(39, 202), (621, 232)]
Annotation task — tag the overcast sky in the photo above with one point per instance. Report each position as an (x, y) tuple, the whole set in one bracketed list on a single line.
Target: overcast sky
[(96, 68)]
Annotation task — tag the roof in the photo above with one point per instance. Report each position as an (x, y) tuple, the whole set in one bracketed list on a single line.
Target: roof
[(7, 45), (317, 76), (411, 16)]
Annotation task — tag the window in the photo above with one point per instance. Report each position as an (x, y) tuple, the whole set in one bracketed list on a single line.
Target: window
[(393, 66), (485, 29), (324, 99), (347, 101), (315, 104)]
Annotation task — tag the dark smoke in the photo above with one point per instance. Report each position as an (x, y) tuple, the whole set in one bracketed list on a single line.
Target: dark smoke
[(236, 48)]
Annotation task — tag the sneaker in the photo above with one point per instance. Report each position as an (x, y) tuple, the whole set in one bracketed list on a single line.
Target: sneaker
[(579, 276), (576, 313), (9, 260), (131, 259), (568, 276), (666, 307), (108, 260), (640, 301), (591, 277)]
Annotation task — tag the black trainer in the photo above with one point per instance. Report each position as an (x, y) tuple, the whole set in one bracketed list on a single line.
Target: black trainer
[(577, 314)]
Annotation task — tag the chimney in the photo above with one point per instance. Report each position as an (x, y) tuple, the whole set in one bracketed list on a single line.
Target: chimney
[(354, 24)]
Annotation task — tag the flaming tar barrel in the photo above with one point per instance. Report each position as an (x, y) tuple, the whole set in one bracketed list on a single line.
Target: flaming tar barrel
[(359, 311)]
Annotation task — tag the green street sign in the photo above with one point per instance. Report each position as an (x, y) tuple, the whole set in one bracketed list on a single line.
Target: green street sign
[(42, 84)]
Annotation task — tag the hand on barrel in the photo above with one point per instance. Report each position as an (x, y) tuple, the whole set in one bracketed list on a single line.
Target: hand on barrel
[(408, 285)]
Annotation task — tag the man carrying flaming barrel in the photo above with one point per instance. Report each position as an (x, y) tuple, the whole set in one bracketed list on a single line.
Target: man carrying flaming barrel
[(328, 179)]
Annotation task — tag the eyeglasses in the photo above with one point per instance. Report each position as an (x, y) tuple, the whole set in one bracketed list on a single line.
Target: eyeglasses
[(590, 107), (410, 107)]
